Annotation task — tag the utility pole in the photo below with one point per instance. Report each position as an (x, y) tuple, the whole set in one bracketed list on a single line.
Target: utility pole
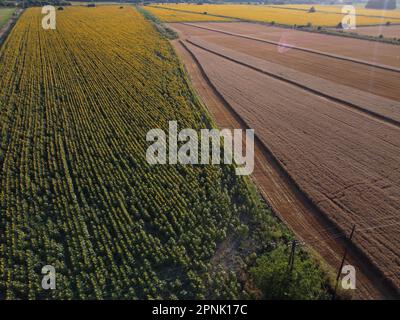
[(342, 263), (291, 257)]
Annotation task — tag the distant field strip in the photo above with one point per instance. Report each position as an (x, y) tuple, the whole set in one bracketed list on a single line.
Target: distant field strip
[(360, 11), (283, 45), (166, 15), (274, 14)]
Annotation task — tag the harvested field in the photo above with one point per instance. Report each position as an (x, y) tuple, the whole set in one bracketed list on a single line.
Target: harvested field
[(386, 31), (343, 160), (375, 52), (5, 21), (377, 81), (381, 108)]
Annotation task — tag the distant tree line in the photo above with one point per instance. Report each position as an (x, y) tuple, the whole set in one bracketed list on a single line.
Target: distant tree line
[(7, 3), (33, 3), (381, 4)]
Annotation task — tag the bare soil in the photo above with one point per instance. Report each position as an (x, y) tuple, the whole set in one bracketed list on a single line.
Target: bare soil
[(381, 108), (382, 53), (377, 81)]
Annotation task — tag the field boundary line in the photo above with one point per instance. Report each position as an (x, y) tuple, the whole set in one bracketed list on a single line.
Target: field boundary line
[(350, 105), (339, 57), (380, 282)]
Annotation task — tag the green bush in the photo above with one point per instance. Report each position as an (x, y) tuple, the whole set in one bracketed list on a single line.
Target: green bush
[(270, 274)]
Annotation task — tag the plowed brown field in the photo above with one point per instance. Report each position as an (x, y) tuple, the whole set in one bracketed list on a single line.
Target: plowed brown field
[(344, 161), (359, 49), (377, 81), (380, 107)]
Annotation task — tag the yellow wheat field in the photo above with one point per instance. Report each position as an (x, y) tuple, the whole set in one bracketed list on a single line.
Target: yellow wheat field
[(276, 14), (385, 14), (176, 16)]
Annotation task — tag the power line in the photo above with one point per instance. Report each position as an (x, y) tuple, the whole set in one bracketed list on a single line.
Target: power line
[(342, 233), (327, 230)]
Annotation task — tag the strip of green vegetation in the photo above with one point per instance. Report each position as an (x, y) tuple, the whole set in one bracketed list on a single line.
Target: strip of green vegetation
[(160, 26), (355, 35), (5, 15), (276, 280)]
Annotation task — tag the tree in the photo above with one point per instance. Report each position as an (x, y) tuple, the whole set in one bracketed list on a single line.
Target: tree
[(271, 276)]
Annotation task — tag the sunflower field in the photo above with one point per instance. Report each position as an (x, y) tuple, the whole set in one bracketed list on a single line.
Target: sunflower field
[(76, 191)]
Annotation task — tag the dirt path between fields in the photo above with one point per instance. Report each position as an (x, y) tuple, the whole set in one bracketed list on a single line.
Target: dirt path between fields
[(281, 193)]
